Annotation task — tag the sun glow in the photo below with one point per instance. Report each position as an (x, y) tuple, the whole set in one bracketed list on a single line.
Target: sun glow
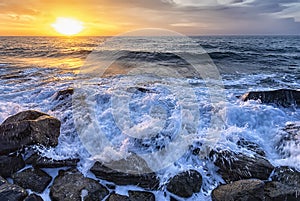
[(67, 26)]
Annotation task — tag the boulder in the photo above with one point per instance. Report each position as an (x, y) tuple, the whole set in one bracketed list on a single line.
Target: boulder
[(34, 179), (243, 190), (185, 184), (38, 161), (233, 166), (281, 97), (278, 191), (130, 171), (63, 94), (117, 197), (141, 195), (71, 185), (33, 197), (286, 175), (28, 128), (10, 164), (11, 192), (252, 146)]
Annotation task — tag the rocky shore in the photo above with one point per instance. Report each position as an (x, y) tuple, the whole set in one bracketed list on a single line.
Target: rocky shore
[(246, 178)]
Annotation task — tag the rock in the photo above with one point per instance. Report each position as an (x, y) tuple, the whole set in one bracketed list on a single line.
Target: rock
[(33, 179), (117, 197), (243, 190), (63, 94), (71, 185), (10, 164), (28, 128), (289, 136), (286, 175), (242, 143), (43, 162), (2, 181), (147, 180), (185, 184), (11, 192), (233, 166), (33, 197), (141, 195), (281, 97), (130, 171), (277, 191)]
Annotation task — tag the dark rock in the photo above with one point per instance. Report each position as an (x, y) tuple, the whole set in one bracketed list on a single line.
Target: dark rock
[(275, 191), (185, 184), (288, 135), (33, 179), (11, 192), (281, 97), (130, 171), (2, 181), (63, 94), (233, 166), (33, 197), (43, 162), (117, 197), (10, 164), (141, 195), (242, 143), (28, 128), (243, 190), (70, 185), (286, 175)]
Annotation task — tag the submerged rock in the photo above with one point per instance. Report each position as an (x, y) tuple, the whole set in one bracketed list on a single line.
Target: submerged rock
[(71, 185), (243, 190), (63, 94), (34, 179), (38, 161), (286, 175), (141, 195), (281, 97), (11, 192), (233, 166), (117, 197), (33, 197), (28, 128), (185, 184), (10, 164)]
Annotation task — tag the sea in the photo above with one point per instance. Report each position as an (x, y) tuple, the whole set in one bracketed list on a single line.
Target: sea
[(158, 97)]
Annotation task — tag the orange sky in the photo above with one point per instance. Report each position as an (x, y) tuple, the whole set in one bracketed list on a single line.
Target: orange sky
[(192, 17)]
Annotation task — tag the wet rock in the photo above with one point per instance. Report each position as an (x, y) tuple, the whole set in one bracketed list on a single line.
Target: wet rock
[(141, 195), (117, 197), (278, 191), (43, 162), (185, 184), (242, 143), (286, 175), (63, 94), (71, 185), (33, 179), (243, 190), (281, 97), (289, 136), (28, 128), (130, 171), (33, 197), (233, 166), (2, 181), (11, 192), (10, 164)]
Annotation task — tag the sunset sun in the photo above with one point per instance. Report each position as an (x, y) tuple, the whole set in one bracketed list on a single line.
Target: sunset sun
[(67, 26)]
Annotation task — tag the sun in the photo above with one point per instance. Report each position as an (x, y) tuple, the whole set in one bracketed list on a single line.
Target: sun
[(67, 26)]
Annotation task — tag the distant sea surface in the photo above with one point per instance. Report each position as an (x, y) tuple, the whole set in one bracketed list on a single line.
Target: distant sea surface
[(34, 69)]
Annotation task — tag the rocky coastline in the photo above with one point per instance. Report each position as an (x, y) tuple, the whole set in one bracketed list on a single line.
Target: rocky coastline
[(245, 178)]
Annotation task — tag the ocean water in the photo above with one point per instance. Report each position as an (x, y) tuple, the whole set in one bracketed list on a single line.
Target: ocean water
[(119, 107)]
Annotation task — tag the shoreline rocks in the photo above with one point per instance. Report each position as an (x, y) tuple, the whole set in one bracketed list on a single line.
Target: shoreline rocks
[(281, 97)]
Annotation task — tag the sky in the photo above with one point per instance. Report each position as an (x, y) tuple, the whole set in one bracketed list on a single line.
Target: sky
[(190, 17)]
